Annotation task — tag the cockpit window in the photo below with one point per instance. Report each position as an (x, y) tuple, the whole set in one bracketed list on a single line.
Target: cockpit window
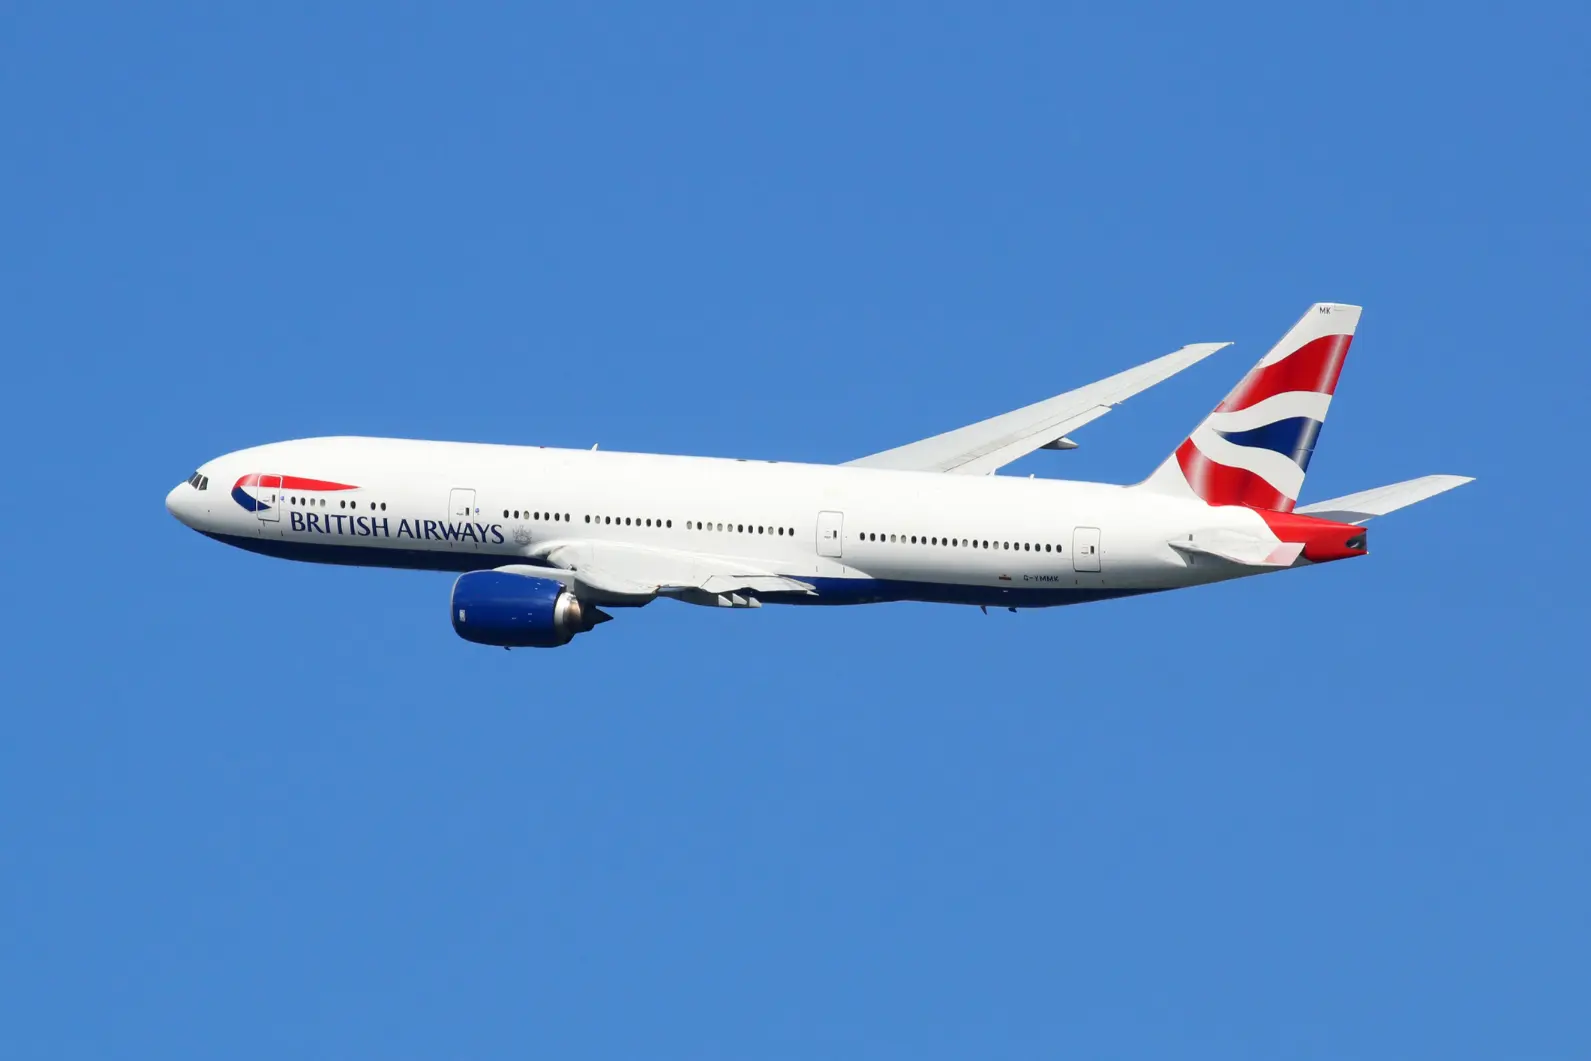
[(199, 482), (204, 482)]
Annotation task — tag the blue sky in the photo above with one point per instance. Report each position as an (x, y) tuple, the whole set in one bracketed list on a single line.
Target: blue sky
[(252, 809)]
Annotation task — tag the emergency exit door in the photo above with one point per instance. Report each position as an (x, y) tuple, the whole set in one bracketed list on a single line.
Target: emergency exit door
[(831, 534), (1085, 549)]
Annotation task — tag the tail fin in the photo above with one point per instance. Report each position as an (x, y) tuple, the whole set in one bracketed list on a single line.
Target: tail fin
[(1255, 447)]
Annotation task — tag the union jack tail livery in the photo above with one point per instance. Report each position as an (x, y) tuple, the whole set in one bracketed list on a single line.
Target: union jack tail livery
[(1255, 447)]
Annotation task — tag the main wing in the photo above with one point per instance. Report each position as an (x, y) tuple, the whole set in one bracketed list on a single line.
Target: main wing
[(988, 445), (620, 574)]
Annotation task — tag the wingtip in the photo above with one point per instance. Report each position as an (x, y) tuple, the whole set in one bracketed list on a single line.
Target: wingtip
[(1187, 355)]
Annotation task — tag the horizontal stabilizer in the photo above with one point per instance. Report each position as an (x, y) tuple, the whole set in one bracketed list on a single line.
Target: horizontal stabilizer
[(1241, 549), (1368, 504)]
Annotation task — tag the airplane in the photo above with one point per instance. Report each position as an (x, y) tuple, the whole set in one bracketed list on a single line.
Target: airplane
[(544, 539)]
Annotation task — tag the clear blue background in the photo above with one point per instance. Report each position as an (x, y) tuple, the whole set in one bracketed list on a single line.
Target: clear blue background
[(252, 809)]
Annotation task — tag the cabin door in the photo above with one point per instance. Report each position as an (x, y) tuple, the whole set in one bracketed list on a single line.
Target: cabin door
[(461, 512), (268, 502), (1085, 549), (831, 534)]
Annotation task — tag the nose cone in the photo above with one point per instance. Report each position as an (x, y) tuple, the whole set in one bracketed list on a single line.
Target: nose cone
[(180, 503)]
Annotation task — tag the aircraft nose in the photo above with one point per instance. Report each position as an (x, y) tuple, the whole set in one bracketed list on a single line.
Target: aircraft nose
[(177, 501)]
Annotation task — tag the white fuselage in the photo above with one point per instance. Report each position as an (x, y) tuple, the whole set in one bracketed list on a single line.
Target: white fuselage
[(857, 534)]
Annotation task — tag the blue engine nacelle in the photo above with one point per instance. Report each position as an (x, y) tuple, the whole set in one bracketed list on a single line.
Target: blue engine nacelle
[(518, 611)]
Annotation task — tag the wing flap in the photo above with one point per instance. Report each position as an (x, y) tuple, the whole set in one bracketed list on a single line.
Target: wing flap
[(984, 447)]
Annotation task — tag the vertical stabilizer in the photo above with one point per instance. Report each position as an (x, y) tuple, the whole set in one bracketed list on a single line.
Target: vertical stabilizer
[(1255, 447)]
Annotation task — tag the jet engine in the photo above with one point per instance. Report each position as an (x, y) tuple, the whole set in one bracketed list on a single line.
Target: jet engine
[(519, 611)]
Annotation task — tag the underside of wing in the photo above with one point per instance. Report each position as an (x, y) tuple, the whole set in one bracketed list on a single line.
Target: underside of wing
[(626, 575), (987, 446)]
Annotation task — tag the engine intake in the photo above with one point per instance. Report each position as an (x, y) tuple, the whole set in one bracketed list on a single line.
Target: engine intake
[(519, 611)]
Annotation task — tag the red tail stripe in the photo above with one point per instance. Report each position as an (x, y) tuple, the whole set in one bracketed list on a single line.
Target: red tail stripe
[(1222, 484), (1314, 366), (1322, 539)]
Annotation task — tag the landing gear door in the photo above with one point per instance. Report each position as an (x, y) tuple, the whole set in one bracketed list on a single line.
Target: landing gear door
[(268, 503), (1085, 549), (831, 534)]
